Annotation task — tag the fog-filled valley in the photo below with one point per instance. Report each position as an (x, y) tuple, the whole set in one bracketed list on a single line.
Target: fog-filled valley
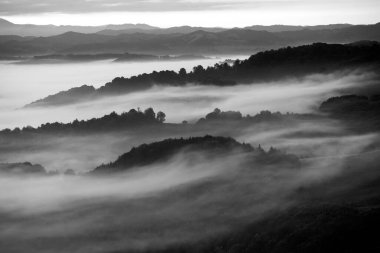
[(134, 138), (44, 79)]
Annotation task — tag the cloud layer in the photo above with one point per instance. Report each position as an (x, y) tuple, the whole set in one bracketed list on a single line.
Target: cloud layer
[(85, 6), (167, 13)]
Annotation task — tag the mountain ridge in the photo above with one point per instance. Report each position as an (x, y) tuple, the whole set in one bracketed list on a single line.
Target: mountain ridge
[(264, 66), (9, 28), (224, 42)]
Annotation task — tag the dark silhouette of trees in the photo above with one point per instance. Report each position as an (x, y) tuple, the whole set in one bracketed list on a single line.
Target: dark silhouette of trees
[(149, 113), (353, 106), (218, 116), (161, 117), (113, 121), (182, 73)]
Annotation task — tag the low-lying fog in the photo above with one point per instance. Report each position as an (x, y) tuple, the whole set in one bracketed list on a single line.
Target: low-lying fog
[(23, 83), (85, 153), (173, 202), (159, 205), (193, 102)]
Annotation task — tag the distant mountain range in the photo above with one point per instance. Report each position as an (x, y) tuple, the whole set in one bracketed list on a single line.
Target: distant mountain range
[(22, 40), (9, 28), (126, 57), (178, 40), (289, 28)]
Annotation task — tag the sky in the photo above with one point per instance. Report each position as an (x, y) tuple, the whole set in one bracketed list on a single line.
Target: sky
[(211, 13)]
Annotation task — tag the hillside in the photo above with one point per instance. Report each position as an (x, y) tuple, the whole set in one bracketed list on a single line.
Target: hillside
[(111, 122), (208, 146), (357, 111), (264, 66)]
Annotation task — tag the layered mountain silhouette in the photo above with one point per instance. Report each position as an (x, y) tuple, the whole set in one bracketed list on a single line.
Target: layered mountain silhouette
[(288, 28), (9, 28), (125, 57), (195, 41), (264, 66)]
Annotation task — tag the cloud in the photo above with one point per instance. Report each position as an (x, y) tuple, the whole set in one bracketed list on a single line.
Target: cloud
[(166, 13), (15, 7)]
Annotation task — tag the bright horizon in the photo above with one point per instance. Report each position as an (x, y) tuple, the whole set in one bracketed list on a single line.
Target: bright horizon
[(209, 13)]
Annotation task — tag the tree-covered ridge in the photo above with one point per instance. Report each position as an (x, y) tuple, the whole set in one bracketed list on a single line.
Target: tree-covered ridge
[(136, 118), (72, 95), (211, 146), (352, 106), (345, 107), (349, 107), (113, 121), (360, 113), (264, 66), (218, 116)]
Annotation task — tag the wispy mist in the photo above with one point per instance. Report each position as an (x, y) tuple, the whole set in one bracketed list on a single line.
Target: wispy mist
[(179, 201)]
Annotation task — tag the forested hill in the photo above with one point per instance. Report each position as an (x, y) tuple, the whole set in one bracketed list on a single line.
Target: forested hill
[(209, 146), (111, 122), (162, 151), (264, 66), (358, 112)]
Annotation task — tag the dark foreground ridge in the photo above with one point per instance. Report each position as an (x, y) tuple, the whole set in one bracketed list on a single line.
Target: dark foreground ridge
[(329, 228), (211, 147), (264, 66)]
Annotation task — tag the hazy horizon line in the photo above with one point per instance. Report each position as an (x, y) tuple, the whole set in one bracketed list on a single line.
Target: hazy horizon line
[(184, 25)]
